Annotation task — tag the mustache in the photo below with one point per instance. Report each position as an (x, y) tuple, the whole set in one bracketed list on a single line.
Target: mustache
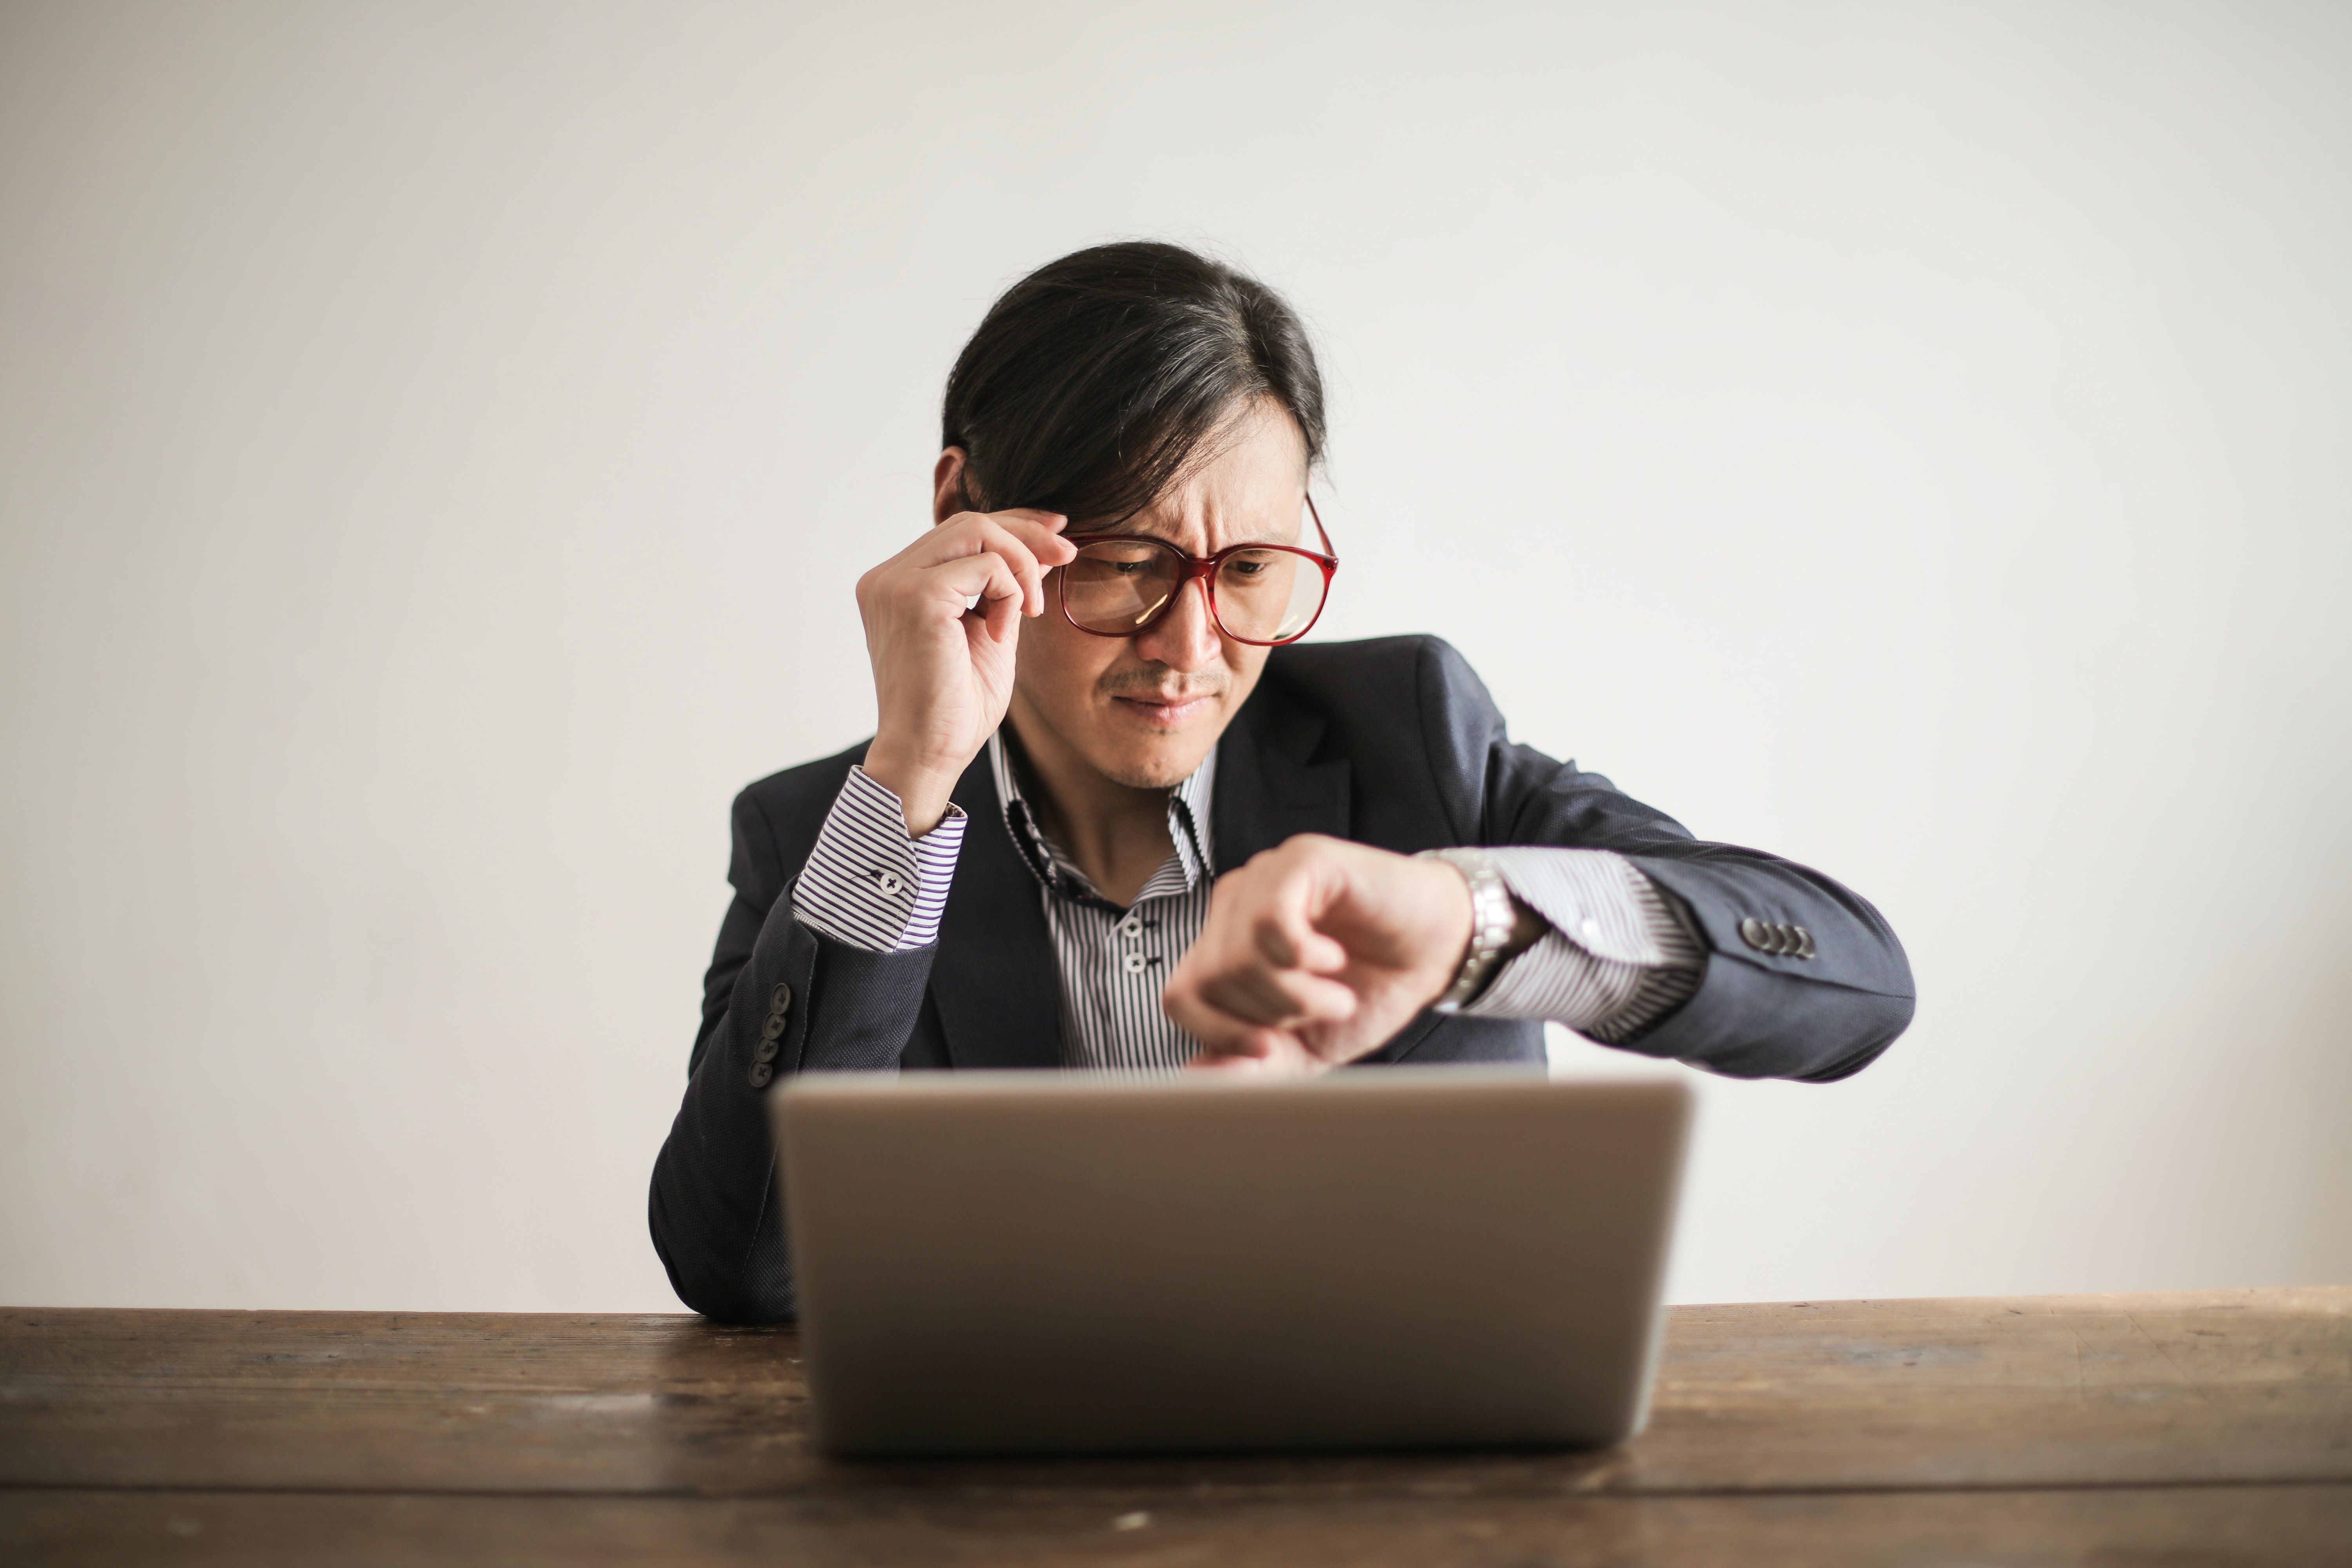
[(1154, 687)]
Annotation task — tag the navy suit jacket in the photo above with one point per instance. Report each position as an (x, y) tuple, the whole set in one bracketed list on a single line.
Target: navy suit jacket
[(1393, 742)]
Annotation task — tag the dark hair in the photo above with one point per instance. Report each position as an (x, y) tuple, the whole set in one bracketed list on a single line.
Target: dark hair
[(1095, 382)]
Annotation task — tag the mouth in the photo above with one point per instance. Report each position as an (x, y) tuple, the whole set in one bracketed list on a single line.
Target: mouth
[(1166, 712)]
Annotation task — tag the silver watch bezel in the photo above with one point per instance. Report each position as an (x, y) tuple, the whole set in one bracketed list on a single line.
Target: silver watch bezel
[(1491, 920)]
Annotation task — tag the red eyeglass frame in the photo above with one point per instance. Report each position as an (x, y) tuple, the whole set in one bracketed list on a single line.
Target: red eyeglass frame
[(1203, 570)]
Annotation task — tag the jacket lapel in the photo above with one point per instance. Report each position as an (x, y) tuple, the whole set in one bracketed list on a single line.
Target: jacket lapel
[(1267, 786), (992, 980)]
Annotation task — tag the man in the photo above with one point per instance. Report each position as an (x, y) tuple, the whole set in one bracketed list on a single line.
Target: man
[(1111, 815)]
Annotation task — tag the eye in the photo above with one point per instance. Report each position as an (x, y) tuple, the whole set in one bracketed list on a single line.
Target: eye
[(1119, 559)]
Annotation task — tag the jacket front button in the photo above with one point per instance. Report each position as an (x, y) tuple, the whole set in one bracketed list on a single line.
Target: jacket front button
[(760, 1073)]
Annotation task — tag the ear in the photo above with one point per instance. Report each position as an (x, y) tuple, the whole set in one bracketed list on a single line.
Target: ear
[(947, 496)]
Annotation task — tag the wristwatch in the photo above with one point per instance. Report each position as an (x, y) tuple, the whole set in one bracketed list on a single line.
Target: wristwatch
[(1491, 920)]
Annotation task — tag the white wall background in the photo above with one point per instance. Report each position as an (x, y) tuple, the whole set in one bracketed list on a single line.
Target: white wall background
[(436, 443)]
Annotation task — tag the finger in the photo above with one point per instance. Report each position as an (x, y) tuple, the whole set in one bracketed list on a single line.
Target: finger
[(1269, 1054), (997, 615), (1228, 1067), (963, 578), (1216, 1029), (1001, 610), (1287, 942), (975, 533), (1279, 996), (1022, 546), (1037, 528), (1029, 541), (1216, 994), (1249, 1045), (990, 535), (1285, 934), (1233, 1063), (1021, 550), (1052, 521)]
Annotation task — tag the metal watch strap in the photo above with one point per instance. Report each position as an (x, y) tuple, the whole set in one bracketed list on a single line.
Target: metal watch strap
[(1491, 920)]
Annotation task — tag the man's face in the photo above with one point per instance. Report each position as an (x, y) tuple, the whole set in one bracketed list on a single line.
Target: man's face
[(1144, 711)]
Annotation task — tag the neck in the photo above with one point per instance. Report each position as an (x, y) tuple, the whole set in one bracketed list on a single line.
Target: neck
[(1117, 832)]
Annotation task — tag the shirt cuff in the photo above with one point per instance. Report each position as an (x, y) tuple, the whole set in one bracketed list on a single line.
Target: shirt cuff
[(868, 882), (1617, 957)]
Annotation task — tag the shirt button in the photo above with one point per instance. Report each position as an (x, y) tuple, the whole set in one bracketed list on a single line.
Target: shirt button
[(1131, 928), (1132, 962), (890, 882)]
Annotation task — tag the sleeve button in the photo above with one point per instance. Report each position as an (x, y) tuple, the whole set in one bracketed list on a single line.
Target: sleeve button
[(781, 1002), (760, 1073), (774, 1028), (1756, 934)]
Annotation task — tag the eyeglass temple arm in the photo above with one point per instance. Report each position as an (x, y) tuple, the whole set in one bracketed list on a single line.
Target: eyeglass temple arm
[(1322, 533)]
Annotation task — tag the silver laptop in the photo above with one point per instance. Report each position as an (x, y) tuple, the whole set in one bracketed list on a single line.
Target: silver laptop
[(1033, 1262)]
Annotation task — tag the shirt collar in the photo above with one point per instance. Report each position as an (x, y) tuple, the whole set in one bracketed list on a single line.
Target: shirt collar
[(1188, 829)]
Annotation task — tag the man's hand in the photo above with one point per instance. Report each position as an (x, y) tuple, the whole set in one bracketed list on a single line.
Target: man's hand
[(943, 673), (1316, 952)]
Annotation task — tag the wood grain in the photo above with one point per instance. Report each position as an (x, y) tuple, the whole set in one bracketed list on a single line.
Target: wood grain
[(2246, 1387), (2256, 1526)]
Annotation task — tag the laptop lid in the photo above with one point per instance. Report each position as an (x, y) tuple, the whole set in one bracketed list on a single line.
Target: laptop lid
[(1076, 1262)]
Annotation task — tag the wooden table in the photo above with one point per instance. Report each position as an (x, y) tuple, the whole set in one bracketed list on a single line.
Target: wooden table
[(2214, 1426)]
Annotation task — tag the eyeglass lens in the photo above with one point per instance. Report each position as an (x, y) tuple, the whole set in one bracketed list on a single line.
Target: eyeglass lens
[(1121, 585)]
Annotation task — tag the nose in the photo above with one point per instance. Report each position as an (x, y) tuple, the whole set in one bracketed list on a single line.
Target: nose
[(1185, 639)]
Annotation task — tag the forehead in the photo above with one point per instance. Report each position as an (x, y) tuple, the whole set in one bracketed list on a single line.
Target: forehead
[(1250, 490)]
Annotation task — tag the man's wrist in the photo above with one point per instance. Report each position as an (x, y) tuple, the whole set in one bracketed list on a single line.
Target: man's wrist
[(1495, 922), (923, 793)]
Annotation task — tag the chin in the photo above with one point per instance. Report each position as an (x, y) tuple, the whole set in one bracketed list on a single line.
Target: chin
[(1155, 768)]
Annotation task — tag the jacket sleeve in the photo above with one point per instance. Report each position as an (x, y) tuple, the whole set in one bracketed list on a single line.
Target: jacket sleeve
[(1756, 1013), (714, 1208)]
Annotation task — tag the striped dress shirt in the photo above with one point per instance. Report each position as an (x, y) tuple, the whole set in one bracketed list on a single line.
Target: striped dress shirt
[(1616, 958)]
